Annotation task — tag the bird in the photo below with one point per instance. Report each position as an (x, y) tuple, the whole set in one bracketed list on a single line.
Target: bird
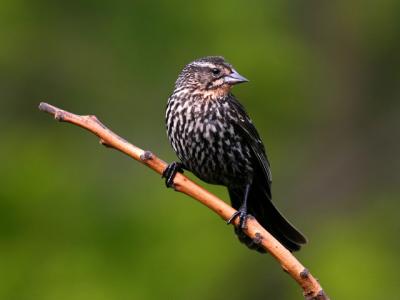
[(215, 139)]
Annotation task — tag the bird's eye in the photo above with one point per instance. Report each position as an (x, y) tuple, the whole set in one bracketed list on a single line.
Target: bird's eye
[(215, 71)]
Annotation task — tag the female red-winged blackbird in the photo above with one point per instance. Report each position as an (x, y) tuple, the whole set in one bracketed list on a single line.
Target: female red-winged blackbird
[(215, 139)]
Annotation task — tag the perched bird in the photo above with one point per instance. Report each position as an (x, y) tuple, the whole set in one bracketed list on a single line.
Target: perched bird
[(215, 139)]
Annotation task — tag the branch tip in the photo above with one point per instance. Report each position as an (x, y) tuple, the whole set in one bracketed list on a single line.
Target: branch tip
[(43, 106)]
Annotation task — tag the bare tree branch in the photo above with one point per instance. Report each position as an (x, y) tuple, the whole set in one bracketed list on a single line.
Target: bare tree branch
[(311, 288)]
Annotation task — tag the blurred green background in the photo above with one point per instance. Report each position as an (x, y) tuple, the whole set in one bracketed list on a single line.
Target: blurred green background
[(79, 221)]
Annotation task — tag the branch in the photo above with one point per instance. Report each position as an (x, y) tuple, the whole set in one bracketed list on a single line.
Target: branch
[(311, 288)]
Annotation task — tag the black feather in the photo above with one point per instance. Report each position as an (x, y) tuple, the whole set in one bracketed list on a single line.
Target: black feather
[(259, 200)]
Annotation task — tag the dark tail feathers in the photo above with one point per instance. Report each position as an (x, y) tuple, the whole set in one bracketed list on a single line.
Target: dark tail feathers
[(261, 207)]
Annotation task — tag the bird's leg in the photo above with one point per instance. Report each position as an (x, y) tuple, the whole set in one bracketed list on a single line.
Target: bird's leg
[(170, 172), (242, 211)]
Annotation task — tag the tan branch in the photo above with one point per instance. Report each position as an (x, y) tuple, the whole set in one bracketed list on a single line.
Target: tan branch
[(311, 288)]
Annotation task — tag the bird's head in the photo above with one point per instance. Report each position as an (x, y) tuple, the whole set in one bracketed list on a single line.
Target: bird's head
[(209, 75)]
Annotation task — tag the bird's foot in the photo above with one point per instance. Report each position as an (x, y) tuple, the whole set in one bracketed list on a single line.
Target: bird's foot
[(170, 172), (242, 214)]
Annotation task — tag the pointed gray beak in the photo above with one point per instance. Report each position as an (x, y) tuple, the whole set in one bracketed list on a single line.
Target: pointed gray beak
[(234, 78)]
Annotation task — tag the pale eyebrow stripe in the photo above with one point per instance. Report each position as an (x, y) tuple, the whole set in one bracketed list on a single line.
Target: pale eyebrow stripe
[(203, 64)]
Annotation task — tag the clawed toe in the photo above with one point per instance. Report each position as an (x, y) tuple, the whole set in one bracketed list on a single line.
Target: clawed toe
[(170, 173), (242, 214), (232, 218)]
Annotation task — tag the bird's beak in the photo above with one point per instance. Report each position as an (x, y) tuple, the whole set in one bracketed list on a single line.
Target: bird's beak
[(234, 78)]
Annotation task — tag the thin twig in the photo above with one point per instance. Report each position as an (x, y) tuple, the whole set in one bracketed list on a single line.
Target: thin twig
[(311, 288)]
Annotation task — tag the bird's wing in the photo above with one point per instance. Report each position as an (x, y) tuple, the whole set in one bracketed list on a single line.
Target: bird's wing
[(245, 126)]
